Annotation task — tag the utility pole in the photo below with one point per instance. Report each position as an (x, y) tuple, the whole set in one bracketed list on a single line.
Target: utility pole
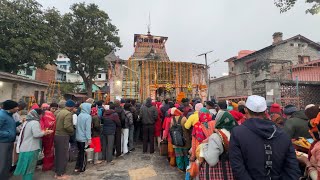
[(207, 78)]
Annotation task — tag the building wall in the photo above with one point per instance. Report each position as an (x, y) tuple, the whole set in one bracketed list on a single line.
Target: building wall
[(46, 75), (5, 90), (291, 51), (30, 76), (233, 85), (72, 77), (101, 76), (18, 90), (242, 66)]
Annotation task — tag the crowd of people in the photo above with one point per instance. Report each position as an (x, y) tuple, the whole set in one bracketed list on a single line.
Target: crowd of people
[(206, 140)]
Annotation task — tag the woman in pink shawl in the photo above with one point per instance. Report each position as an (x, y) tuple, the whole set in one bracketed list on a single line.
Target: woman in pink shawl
[(48, 122)]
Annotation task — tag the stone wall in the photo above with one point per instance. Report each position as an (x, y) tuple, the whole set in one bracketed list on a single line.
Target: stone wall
[(291, 50), (232, 85), (18, 90)]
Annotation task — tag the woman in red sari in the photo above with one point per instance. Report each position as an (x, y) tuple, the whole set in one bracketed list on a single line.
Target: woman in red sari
[(48, 122)]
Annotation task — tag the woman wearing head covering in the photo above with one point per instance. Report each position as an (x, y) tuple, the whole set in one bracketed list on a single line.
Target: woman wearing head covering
[(166, 136), (29, 145), (215, 152), (95, 134), (48, 121), (181, 152), (201, 130), (313, 161)]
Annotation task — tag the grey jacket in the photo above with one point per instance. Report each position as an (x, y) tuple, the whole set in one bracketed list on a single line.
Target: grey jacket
[(148, 114), (31, 132)]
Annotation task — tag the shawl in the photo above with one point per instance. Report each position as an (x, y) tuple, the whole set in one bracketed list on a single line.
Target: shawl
[(225, 120), (204, 118), (94, 111), (48, 121), (33, 115), (314, 125), (175, 112)]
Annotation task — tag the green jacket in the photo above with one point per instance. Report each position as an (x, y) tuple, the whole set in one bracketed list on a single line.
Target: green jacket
[(297, 126), (64, 125)]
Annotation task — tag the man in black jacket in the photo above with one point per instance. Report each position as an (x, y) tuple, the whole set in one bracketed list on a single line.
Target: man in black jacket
[(120, 111), (148, 115), (259, 149)]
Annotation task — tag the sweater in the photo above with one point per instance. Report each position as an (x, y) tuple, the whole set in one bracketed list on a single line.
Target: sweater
[(110, 121), (297, 126), (83, 127), (7, 127), (247, 149), (32, 134), (64, 125), (192, 120), (96, 127)]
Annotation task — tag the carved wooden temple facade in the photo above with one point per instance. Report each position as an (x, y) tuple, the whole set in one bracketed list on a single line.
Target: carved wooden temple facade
[(150, 73)]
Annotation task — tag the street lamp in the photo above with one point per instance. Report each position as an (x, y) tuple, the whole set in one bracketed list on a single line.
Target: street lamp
[(207, 78)]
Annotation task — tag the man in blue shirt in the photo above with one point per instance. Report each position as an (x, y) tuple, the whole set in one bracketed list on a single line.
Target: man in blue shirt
[(7, 136)]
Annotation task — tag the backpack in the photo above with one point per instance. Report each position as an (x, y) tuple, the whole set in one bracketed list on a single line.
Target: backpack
[(100, 112), (176, 133)]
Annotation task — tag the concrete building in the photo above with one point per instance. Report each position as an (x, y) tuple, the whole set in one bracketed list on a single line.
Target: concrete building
[(18, 88), (268, 71)]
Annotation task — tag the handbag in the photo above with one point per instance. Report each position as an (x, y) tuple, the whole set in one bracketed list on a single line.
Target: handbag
[(164, 148), (194, 169)]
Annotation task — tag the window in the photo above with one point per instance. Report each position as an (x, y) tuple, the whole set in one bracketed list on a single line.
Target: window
[(28, 72), (303, 59), (231, 68), (99, 76), (291, 44), (244, 83), (42, 97), (222, 87)]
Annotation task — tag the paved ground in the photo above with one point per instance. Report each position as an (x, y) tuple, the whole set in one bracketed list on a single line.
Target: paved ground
[(134, 166)]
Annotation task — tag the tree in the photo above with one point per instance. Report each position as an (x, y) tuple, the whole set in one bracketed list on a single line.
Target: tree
[(286, 5), (26, 37), (87, 36)]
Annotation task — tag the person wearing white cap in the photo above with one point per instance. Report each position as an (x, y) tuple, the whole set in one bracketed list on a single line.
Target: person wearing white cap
[(259, 149)]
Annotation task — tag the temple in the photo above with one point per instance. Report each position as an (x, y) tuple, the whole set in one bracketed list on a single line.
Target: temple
[(149, 47), (150, 73)]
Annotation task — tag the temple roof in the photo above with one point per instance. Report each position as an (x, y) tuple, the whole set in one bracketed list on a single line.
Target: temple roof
[(150, 47)]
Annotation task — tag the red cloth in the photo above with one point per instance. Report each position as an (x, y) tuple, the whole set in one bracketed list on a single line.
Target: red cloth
[(35, 106), (215, 172), (157, 125), (166, 127), (238, 116), (198, 131), (94, 111), (275, 108), (48, 121), (96, 144)]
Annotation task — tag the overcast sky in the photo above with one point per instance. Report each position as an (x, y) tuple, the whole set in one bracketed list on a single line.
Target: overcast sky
[(194, 27)]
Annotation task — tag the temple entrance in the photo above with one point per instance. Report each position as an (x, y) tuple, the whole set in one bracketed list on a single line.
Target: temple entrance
[(162, 93)]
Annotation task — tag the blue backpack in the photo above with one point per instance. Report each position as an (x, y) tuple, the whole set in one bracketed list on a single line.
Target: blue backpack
[(100, 112)]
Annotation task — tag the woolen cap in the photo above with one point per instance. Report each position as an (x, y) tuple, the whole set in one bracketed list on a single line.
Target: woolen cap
[(9, 104), (289, 109), (256, 103), (70, 103), (275, 108)]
